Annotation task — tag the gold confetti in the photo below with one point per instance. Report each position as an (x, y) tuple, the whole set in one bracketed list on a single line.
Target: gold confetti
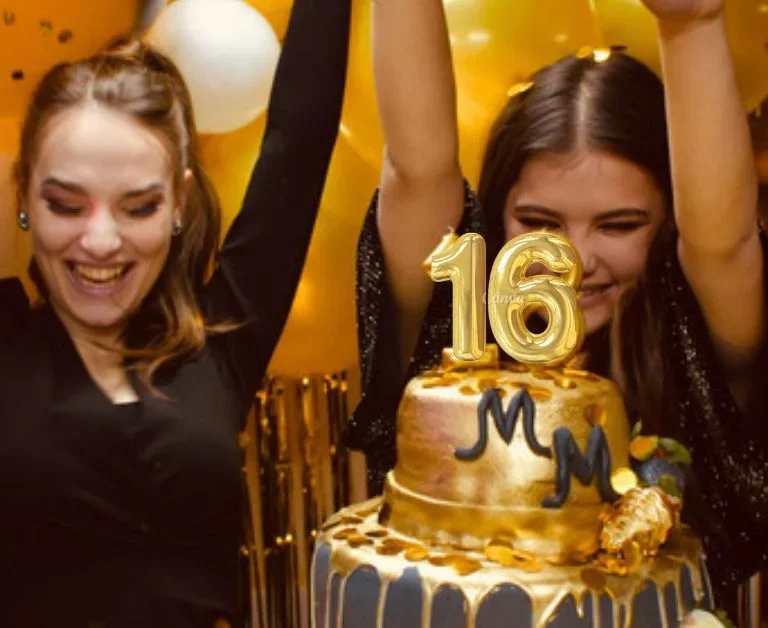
[(515, 367), (565, 382), (351, 519), (501, 554), (416, 554), (345, 533), (388, 550), (356, 540), (401, 545), (376, 534), (488, 382), (540, 394), (541, 374), (601, 55), (439, 561), (466, 566), (469, 390), (523, 555)]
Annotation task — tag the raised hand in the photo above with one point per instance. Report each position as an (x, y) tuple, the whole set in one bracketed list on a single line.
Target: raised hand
[(684, 9)]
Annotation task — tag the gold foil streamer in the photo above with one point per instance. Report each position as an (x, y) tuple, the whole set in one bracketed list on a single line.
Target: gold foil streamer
[(297, 476)]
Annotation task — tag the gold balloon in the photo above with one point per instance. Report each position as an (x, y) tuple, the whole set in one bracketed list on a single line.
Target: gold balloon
[(8, 230), (320, 334), (276, 12), (38, 34), (495, 43), (462, 262), (628, 23), (511, 294), (15, 244), (228, 159)]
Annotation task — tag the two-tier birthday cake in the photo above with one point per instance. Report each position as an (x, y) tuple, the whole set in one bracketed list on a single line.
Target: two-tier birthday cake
[(512, 504)]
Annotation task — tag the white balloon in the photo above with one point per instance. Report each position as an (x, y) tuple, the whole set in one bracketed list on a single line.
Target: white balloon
[(227, 53)]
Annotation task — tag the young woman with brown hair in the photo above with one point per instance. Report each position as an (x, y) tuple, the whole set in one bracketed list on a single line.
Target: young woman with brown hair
[(122, 397)]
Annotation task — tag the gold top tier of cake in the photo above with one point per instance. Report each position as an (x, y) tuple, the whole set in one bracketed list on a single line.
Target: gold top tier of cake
[(469, 471)]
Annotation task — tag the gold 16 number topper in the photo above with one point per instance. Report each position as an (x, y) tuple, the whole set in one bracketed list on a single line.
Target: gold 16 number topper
[(512, 295)]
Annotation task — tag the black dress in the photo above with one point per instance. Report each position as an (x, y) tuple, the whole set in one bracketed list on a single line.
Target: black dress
[(729, 506), (128, 516)]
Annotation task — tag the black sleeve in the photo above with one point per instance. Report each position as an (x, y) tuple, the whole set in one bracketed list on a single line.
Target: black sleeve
[(14, 307), (371, 428), (262, 257), (728, 500)]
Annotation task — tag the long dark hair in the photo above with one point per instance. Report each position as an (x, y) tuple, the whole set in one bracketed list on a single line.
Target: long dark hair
[(136, 80), (614, 104)]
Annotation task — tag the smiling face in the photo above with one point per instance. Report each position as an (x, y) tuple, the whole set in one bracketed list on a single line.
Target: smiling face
[(101, 205), (610, 209)]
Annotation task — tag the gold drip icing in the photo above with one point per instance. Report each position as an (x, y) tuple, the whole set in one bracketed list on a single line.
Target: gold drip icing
[(384, 586), (546, 588)]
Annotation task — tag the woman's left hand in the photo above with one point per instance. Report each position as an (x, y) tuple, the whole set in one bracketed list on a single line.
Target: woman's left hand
[(684, 9)]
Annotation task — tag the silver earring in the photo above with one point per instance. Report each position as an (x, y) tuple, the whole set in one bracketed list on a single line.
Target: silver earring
[(176, 230), (23, 220)]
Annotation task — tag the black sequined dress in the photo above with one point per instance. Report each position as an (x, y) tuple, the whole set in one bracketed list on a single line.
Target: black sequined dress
[(729, 507)]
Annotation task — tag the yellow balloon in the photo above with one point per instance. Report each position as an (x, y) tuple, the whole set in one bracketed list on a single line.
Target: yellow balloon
[(38, 34), (495, 44), (8, 229), (628, 23), (276, 12), (15, 244), (228, 159), (319, 336)]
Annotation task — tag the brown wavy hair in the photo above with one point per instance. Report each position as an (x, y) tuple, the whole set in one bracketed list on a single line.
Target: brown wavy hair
[(136, 80), (615, 105)]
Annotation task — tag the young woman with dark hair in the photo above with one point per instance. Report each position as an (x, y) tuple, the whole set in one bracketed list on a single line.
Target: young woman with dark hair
[(657, 191)]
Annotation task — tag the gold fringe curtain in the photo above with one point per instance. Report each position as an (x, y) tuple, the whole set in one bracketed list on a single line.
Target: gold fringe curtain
[(297, 475)]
